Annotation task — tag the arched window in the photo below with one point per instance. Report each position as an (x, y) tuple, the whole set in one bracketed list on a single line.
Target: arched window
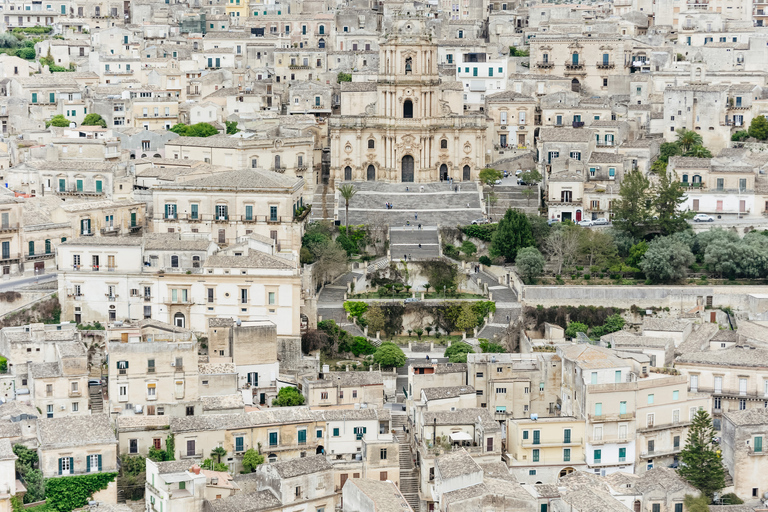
[(461, 34), (179, 320), (321, 43), (195, 261), (696, 178), (408, 65), (371, 144), (408, 109), (174, 261), (347, 173), (321, 29), (371, 173), (272, 458), (443, 143)]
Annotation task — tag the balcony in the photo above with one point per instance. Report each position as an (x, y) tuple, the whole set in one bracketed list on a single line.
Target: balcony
[(605, 65), (611, 417), (86, 233), (9, 228), (278, 168), (297, 66), (74, 191), (596, 440), (111, 298), (75, 393), (663, 426), (9, 258), (569, 66), (578, 124), (661, 452), (221, 218), (110, 231), (37, 257), (528, 443), (186, 454), (752, 453), (545, 65)]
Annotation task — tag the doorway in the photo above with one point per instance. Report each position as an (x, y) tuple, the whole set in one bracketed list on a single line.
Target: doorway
[(347, 173), (575, 85), (371, 173), (39, 268), (466, 174), (443, 172), (578, 215), (407, 173)]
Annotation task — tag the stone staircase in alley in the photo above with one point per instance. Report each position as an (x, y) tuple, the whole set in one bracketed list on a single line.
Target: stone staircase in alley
[(409, 477), (323, 203), (96, 400)]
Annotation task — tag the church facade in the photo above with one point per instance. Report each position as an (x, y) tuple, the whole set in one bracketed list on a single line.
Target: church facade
[(407, 123)]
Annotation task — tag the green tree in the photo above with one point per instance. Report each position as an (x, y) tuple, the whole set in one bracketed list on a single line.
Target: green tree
[(530, 263), (375, 318), (457, 352), (231, 127), (94, 120), (344, 77), (347, 192), (468, 248), (531, 176), (512, 234), (251, 460), (669, 149), (59, 121), (758, 128), (26, 53), (562, 245), (26, 458), (636, 254), (576, 327), (389, 355), (288, 397), (700, 462), (686, 139), (491, 348), (740, 136), (218, 452), (597, 246), (669, 197), (694, 504), (613, 323), (195, 130), (489, 176), (666, 260), (467, 318), (698, 151), (632, 211)]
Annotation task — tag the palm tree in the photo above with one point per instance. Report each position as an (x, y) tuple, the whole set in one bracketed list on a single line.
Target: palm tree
[(699, 152), (218, 452), (687, 139), (347, 192)]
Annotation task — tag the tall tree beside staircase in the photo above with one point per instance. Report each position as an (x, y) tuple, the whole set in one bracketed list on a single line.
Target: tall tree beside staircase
[(347, 192)]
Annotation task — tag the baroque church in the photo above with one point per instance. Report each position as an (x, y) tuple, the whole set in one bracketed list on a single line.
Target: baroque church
[(406, 124)]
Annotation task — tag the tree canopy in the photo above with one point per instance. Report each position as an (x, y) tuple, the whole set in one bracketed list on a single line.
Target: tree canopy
[(94, 120), (194, 130), (389, 355), (457, 352), (59, 121), (512, 234), (758, 128), (530, 263), (288, 397)]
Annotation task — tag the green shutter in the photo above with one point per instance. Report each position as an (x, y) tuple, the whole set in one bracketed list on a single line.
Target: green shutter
[(52, 97), (567, 435), (98, 186), (758, 443), (536, 437), (31, 248), (62, 185), (87, 463), (99, 462), (59, 465), (79, 185), (133, 219), (302, 436), (34, 97), (71, 466), (239, 444)]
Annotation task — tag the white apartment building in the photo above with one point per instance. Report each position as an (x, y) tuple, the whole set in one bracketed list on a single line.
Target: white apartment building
[(480, 76)]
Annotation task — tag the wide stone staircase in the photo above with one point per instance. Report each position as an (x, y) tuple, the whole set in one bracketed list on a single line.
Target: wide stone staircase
[(409, 477), (513, 196), (437, 204), (405, 241)]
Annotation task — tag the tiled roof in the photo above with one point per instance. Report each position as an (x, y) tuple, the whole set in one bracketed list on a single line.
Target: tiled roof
[(470, 416), (358, 86), (105, 240), (173, 242), (253, 179), (301, 466), (447, 392), (733, 356), (456, 464), (754, 416), (347, 379), (251, 259), (69, 431), (566, 134), (246, 502), (385, 496), (665, 324)]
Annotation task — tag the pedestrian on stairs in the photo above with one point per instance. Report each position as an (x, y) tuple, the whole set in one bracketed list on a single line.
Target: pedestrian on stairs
[(419, 245), (416, 216)]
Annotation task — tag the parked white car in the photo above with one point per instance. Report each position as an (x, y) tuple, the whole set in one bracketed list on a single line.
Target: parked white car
[(703, 217), (602, 221), (586, 223)]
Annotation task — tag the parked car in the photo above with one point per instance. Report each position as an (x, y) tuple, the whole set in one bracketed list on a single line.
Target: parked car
[(703, 217), (586, 223), (602, 221), (506, 173), (497, 182), (94, 382), (481, 221), (411, 299), (552, 221)]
